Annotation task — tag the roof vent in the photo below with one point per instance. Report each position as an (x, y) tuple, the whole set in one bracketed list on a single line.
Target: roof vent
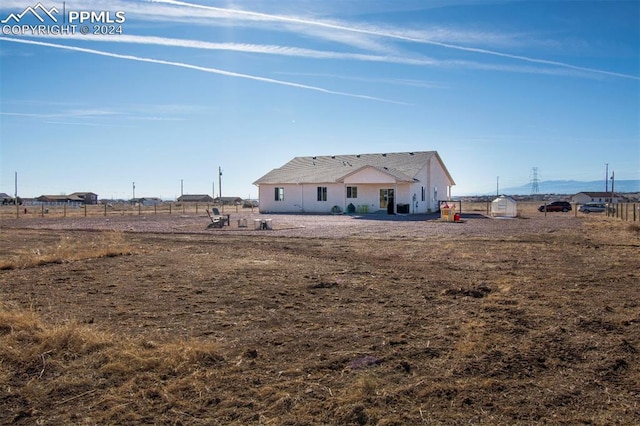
[(411, 153), (384, 155), (333, 156), (358, 156)]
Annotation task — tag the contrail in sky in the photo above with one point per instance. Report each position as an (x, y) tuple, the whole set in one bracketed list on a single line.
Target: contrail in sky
[(395, 36), (309, 53), (199, 68), (249, 48)]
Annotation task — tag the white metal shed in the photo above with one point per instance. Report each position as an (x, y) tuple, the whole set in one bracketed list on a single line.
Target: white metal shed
[(504, 206)]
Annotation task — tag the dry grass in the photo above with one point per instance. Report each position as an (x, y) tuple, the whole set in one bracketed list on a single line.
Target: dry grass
[(68, 249), (46, 367), (495, 328)]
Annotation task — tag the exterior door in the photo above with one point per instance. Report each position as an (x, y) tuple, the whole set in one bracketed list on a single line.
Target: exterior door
[(387, 200)]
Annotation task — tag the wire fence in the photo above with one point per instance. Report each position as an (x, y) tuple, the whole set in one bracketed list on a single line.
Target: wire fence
[(629, 212), (624, 211), (75, 210)]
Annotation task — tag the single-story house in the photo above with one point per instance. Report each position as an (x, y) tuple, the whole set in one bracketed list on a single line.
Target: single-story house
[(76, 198), (53, 199), (229, 201), (195, 198), (147, 201), (401, 182), (597, 197), (5, 198)]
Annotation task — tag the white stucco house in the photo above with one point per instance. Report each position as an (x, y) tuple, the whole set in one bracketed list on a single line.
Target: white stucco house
[(401, 182), (596, 197)]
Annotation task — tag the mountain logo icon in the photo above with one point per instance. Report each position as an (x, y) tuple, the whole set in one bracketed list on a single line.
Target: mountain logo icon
[(38, 11)]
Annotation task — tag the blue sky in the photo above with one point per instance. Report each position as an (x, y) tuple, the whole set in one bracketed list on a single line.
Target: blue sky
[(182, 88)]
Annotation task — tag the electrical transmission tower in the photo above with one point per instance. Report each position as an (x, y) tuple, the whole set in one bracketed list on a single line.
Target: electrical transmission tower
[(535, 181)]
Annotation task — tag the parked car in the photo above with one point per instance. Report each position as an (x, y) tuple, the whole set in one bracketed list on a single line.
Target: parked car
[(592, 208), (556, 206)]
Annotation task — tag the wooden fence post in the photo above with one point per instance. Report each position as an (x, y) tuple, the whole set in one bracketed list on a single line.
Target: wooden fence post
[(85, 210), (626, 211)]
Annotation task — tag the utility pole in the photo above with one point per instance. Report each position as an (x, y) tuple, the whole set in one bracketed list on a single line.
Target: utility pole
[(134, 192), (611, 201), (220, 187), (606, 177), (612, 182), (497, 186), (181, 187), (15, 199)]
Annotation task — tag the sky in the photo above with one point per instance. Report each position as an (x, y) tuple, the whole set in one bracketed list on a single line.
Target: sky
[(172, 92)]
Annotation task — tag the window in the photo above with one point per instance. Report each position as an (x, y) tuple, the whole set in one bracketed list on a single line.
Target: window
[(279, 193), (435, 193), (352, 192), (322, 193)]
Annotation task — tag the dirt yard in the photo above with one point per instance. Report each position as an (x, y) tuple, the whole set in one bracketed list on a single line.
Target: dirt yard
[(341, 320)]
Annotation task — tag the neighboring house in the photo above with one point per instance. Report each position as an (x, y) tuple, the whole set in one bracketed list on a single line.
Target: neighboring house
[(403, 182), (597, 197), (5, 198), (75, 198), (229, 201), (53, 199), (147, 201), (195, 198), (84, 197)]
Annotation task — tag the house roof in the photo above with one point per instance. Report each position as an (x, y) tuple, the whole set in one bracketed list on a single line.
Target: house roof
[(195, 197), (82, 194), (599, 194), (55, 197), (229, 198), (403, 166)]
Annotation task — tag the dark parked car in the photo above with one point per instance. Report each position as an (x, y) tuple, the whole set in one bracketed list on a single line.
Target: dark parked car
[(592, 208), (556, 206)]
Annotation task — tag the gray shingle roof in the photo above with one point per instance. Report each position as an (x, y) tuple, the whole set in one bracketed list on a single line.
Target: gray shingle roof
[(195, 197), (404, 166)]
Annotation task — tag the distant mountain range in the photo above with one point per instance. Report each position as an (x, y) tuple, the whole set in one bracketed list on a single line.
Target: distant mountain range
[(572, 187)]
